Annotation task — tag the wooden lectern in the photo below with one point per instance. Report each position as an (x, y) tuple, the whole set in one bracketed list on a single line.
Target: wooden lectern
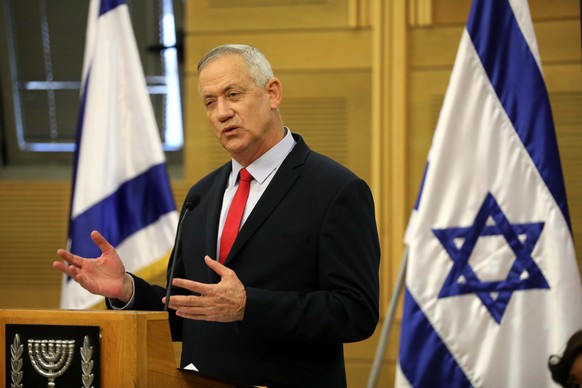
[(135, 346)]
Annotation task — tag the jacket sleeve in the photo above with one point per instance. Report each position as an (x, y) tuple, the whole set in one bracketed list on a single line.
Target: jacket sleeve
[(148, 297)]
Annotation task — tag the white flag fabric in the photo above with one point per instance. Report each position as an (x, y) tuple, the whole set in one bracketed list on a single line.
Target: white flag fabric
[(120, 184), (492, 283)]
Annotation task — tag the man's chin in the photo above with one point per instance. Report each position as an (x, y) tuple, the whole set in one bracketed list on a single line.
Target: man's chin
[(235, 147)]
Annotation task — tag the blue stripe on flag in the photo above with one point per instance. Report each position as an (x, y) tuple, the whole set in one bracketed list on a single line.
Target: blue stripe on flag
[(135, 205), (424, 359), (520, 86), (108, 5)]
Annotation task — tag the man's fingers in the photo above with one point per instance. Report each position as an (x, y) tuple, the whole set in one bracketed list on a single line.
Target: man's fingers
[(100, 241), (215, 266), (62, 266), (190, 301), (66, 268), (190, 285), (70, 258)]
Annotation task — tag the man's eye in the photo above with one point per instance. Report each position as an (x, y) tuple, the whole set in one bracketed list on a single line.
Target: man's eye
[(209, 104), (233, 95)]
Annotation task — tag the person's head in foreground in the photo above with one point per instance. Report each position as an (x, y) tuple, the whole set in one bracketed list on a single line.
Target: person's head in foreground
[(567, 369)]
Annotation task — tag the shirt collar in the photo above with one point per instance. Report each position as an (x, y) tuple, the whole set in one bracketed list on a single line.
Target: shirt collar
[(264, 166)]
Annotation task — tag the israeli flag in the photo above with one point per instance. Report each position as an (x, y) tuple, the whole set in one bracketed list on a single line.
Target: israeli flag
[(492, 284), (120, 181)]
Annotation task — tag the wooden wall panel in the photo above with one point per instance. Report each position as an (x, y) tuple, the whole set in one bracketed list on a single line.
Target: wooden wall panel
[(32, 228), (220, 16), (558, 41), (299, 50)]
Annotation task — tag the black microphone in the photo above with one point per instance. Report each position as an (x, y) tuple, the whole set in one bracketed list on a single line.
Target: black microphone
[(191, 202)]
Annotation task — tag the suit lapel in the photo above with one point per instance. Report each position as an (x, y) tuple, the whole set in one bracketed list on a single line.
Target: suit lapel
[(282, 182), (215, 196)]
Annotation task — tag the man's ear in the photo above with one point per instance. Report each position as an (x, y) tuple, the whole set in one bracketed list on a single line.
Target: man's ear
[(275, 91)]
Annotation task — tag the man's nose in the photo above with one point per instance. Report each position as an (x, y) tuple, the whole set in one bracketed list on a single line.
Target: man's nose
[(224, 110)]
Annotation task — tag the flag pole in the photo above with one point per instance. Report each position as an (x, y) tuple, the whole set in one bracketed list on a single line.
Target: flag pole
[(385, 335)]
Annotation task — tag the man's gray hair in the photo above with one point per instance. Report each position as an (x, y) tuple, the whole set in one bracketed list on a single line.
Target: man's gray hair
[(259, 66)]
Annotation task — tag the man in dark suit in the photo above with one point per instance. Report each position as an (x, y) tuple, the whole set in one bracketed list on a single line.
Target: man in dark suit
[(301, 277)]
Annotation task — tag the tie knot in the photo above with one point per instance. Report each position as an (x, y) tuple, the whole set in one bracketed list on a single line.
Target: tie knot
[(245, 175)]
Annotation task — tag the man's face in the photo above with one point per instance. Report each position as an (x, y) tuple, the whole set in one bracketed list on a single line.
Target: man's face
[(242, 115)]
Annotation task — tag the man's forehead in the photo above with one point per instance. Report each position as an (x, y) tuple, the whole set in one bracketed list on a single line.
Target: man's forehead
[(220, 79)]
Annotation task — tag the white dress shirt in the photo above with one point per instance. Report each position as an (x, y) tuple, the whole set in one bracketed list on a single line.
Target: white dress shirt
[(263, 169)]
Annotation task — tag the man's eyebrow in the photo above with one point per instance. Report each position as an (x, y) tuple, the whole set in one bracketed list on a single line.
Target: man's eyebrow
[(229, 87)]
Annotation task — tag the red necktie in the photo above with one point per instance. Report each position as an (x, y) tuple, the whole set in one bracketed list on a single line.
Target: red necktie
[(235, 213)]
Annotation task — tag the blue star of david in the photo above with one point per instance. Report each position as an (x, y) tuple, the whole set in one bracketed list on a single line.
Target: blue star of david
[(524, 273)]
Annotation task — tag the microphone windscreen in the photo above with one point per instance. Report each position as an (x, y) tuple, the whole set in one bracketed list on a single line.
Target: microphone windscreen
[(192, 201)]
